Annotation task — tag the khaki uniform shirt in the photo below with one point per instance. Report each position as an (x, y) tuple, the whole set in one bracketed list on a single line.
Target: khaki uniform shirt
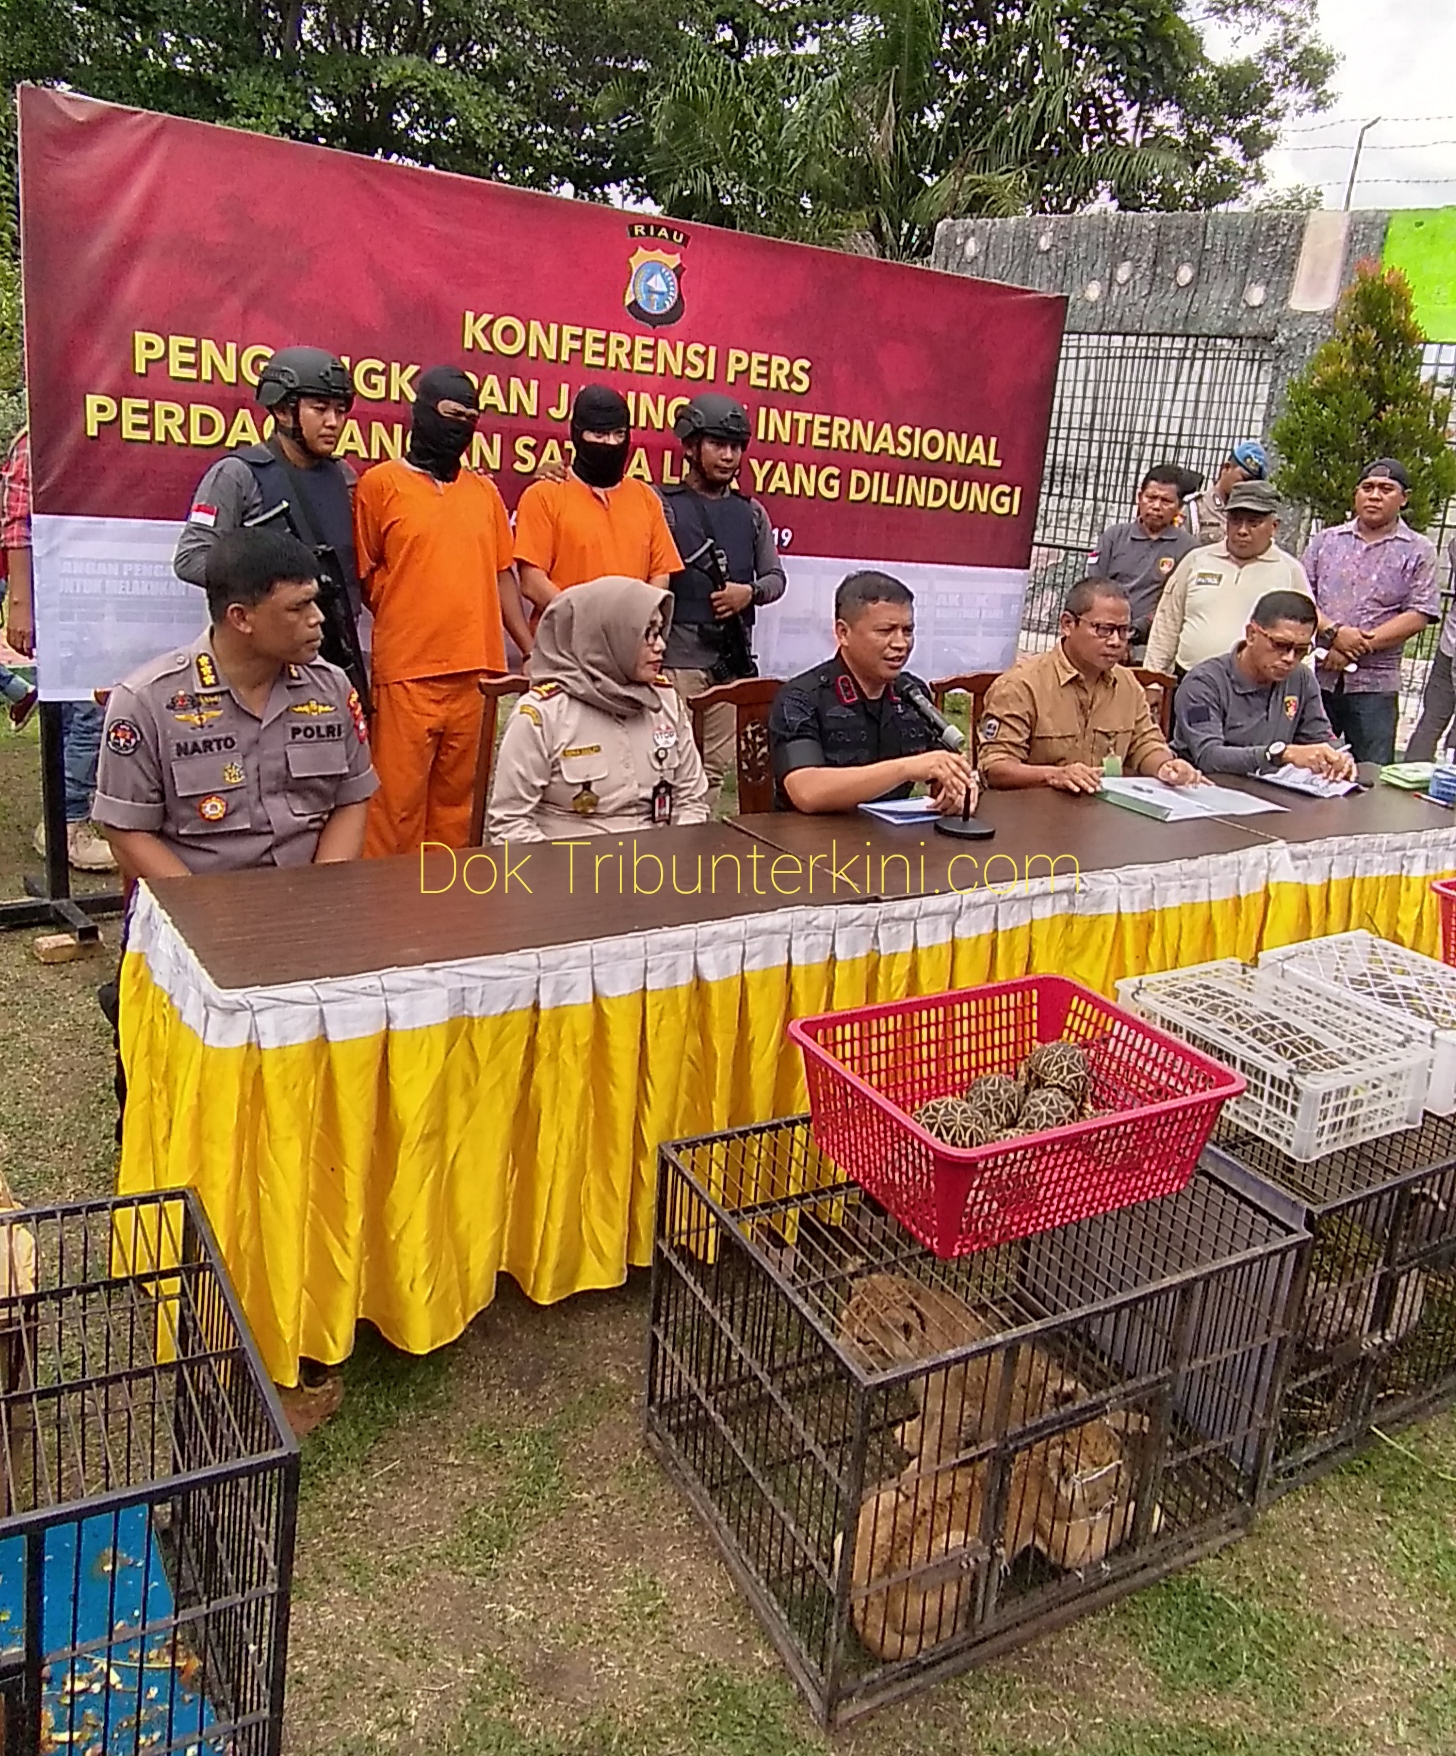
[(1044, 712), (566, 769), (183, 759), (1208, 602)]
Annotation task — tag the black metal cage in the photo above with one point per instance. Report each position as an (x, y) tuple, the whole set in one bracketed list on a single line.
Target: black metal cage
[(911, 1464), (1375, 1333), (150, 1487)]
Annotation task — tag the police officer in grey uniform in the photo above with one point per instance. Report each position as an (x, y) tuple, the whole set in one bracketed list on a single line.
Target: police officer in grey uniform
[(246, 748), (846, 732), (293, 481)]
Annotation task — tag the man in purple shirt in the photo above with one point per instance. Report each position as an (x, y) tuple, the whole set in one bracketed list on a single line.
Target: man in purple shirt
[(1374, 582)]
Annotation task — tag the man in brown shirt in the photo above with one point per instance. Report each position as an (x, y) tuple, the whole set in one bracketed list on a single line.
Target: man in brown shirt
[(1055, 720)]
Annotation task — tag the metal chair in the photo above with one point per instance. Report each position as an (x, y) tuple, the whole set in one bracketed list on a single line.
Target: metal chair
[(493, 691), (975, 684), (750, 698)]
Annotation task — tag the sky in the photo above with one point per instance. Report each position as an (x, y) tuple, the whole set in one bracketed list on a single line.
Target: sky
[(1399, 63)]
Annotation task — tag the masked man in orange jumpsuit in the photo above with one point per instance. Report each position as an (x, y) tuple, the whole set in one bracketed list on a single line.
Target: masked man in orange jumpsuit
[(434, 553)]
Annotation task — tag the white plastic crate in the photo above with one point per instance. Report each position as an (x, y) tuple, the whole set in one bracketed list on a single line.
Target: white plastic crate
[(1315, 1084), (1403, 987)]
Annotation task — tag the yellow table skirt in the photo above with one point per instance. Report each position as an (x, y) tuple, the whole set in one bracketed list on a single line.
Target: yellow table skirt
[(383, 1146)]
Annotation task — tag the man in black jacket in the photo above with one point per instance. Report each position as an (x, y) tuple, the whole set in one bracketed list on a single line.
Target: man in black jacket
[(731, 567)]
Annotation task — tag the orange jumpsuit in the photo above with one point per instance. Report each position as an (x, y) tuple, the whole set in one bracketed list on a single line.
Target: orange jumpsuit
[(429, 556), (574, 533)]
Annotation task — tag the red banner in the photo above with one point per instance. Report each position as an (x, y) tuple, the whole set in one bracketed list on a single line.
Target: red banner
[(900, 415)]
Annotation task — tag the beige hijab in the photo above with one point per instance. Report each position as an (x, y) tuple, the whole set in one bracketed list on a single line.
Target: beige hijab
[(588, 641)]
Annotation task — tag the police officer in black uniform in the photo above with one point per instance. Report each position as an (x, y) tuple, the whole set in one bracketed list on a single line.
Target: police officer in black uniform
[(293, 478), (732, 566), (845, 733)]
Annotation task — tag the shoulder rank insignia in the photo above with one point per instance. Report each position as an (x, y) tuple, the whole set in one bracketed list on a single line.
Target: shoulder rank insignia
[(844, 688), (530, 712), (544, 691), (294, 674), (207, 673), (313, 707)]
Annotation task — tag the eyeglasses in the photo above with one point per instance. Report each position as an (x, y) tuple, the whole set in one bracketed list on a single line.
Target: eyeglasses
[(1107, 630), (656, 634), (1295, 649)]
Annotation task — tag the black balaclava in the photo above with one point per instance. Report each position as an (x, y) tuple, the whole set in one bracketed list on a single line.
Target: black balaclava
[(599, 410), (435, 444)]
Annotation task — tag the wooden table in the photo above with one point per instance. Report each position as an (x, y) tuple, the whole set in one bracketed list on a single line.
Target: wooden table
[(387, 1092)]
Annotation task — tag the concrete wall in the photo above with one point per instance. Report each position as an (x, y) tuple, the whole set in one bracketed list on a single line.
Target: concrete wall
[(1272, 278)]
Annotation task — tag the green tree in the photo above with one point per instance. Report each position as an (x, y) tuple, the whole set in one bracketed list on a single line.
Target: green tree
[(510, 90), (1362, 396), (885, 119)]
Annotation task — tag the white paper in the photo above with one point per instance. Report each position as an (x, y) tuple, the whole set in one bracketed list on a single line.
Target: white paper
[(1300, 780), (1183, 804), (900, 810)]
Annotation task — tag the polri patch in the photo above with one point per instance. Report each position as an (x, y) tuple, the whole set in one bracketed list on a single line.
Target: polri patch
[(213, 808), (989, 729), (123, 736), (356, 713)]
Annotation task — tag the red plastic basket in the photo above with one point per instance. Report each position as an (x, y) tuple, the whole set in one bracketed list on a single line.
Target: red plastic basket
[(1445, 889), (870, 1067)]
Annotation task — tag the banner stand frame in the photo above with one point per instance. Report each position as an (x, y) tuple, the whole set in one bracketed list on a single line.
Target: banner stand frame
[(50, 903)]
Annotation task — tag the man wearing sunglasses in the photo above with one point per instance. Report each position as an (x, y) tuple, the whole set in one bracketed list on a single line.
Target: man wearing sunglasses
[(1067, 717), (434, 547), (1254, 709)]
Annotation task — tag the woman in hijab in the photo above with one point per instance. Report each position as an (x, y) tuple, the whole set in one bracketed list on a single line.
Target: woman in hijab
[(600, 746)]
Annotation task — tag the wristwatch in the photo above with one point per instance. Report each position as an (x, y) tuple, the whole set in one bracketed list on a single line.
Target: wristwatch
[(1275, 752)]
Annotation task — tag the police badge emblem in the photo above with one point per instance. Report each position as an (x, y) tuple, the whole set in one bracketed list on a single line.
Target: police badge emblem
[(1291, 706), (122, 737), (654, 275), (232, 774), (212, 809)]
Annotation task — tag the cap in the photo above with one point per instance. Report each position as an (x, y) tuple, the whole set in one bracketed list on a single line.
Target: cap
[(1250, 455), (1387, 466), (1256, 497)]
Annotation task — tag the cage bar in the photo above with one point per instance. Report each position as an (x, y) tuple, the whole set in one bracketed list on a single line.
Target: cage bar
[(1374, 1335), (148, 1491), (911, 1464)]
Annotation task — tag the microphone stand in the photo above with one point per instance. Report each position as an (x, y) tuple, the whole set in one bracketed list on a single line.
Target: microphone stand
[(962, 827)]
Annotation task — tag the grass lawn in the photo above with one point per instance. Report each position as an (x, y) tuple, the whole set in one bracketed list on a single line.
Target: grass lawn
[(489, 1564)]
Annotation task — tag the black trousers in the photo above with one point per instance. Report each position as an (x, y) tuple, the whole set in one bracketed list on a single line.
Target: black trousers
[(1366, 722)]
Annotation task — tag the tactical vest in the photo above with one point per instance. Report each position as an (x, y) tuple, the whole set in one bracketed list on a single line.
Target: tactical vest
[(326, 490), (730, 524)]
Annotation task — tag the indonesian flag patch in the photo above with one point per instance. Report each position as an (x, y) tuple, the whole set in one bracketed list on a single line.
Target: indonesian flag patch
[(202, 513)]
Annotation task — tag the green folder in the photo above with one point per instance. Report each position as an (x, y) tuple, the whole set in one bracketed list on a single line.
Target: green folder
[(1143, 807), (1410, 777)]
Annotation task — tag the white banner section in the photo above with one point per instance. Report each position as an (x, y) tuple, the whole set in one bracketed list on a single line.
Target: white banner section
[(106, 601), (966, 618)]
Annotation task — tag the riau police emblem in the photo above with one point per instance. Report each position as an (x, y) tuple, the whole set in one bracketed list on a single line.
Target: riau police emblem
[(654, 273)]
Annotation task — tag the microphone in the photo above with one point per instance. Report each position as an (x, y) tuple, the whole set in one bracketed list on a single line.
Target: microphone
[(951, 736)]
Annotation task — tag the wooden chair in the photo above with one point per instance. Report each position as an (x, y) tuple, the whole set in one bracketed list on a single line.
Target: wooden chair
[(750, 698), (975, 684), (493, 691), (1159, 687)]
